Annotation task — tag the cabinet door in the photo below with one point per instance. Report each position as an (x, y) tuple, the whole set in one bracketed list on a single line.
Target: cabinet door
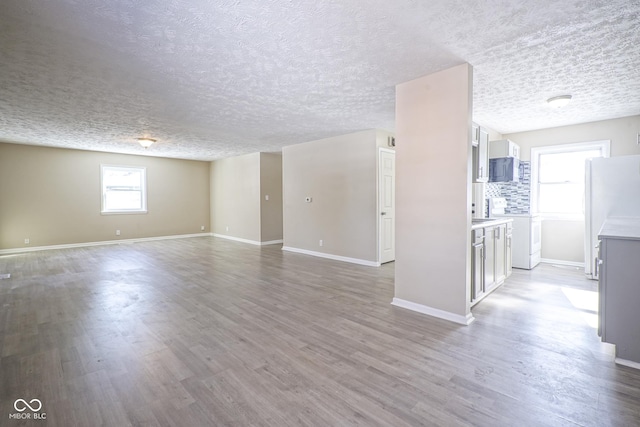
[(500, 241), (477, 278), (514, 150), (509, 255), (475, 134), (480, 143), (602, 279), (489, 258), (483, 155), (620, 295)]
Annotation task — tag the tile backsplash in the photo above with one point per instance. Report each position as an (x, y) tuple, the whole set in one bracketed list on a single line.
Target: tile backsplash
[(518, 194)]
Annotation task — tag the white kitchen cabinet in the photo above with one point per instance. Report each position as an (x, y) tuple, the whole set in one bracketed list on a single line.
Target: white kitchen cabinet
[(503, 148), (477, 262), (491, 257), (509, 250), (480, 144), (619, 288), (475, 134), (500, 247)]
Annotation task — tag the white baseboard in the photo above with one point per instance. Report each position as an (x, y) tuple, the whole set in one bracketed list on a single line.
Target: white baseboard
[(101, 243), (272, 242), (333, 257), (628, 363), (251, 242), (441, 314), (562, 262)]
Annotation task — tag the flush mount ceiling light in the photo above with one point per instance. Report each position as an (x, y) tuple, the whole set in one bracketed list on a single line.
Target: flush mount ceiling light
[(146, 142), (559, 101)]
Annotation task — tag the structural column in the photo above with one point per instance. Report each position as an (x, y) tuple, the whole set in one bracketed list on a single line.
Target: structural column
[(433, 194)]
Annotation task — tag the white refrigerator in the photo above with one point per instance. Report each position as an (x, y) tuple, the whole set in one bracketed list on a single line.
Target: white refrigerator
[(612, 189)]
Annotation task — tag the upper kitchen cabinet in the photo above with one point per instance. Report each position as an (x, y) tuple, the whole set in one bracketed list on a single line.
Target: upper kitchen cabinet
[(480, 143), (504, 148)]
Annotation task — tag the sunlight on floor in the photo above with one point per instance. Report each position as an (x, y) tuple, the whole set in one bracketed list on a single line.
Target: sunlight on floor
[(586, 302)]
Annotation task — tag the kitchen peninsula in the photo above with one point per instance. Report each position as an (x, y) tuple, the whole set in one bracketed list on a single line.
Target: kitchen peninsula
[(618, 288)]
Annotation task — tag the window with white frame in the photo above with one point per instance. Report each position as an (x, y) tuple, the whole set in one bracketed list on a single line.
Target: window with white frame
[(558, 177), (124, 189)]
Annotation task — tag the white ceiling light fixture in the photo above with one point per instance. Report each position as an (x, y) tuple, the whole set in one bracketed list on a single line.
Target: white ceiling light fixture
[(146, 142), (559, 101)]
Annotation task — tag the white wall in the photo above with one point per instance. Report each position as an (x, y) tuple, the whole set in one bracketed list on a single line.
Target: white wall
[(433, 194), (339, 174), (563, 240)]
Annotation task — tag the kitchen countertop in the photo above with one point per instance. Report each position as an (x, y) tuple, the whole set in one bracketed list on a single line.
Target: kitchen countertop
[(488, 222), (621, 228), (518, 215)]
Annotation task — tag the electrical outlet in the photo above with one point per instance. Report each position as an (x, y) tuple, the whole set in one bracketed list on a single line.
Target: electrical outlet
[(26, 241), (117, 232), (266, 197), (202, 228), (227, 228), (320, 243)]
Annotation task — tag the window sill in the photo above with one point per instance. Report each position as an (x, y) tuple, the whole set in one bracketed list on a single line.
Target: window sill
[(123, 212), (561, 217)]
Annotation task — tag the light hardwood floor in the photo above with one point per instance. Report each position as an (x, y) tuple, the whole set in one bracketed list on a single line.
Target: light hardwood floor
[(204, 331)]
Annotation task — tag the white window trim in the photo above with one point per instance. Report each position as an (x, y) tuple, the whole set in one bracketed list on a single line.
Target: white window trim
[(143, 210), (603, 145)]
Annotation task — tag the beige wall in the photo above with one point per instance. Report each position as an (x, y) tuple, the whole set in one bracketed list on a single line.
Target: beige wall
[(270, 185), (339, 174), (52, 196), (433, 192), (239, 208), (622, 133), (493, 135), (235, 197), (564, 240)]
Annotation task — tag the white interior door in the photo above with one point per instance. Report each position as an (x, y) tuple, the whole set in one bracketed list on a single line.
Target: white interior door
[(387, 205)]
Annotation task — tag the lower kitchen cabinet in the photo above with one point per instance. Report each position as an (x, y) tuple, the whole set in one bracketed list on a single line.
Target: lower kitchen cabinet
[(500, 246), (509, 249), (618, 288), (477, 264), (490, 257)]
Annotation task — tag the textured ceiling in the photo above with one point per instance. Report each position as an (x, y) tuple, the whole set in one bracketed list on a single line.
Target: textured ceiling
[(212, 79)]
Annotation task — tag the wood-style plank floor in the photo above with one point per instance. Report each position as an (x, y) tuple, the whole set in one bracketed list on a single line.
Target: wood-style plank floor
[(204, 331)]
